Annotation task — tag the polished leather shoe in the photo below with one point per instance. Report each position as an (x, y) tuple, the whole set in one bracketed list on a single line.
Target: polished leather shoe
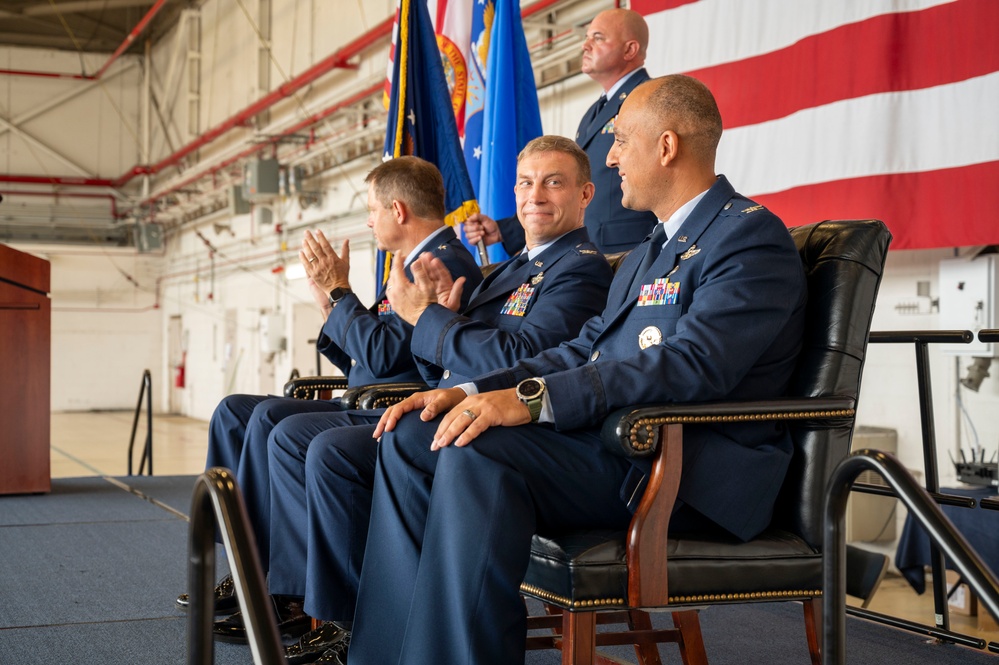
[(314, 643), (337, 654), (226, 601), (292, 621)]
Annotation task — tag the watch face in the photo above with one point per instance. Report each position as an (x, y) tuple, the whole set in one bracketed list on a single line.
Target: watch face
[(530, 388)]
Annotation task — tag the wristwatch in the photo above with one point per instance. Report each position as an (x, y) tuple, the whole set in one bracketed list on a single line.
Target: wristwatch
[(337, 294), (531, 392)]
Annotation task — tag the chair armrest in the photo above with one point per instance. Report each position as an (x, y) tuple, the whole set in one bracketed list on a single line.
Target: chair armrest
[(634, 431), (379, 395), (307, 387)]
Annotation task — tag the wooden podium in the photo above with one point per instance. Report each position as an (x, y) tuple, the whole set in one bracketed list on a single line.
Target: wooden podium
[(25, 372)]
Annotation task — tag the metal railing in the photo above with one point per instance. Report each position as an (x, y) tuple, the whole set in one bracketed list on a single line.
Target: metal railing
[(921, 339), (145, 390), (923, 508), (217, 502)]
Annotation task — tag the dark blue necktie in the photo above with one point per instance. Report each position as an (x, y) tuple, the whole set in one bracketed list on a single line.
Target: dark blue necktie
[(651, 253), (597, 108)]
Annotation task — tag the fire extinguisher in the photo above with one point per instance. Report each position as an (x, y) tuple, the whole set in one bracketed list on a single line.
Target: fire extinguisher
[(178, 380)]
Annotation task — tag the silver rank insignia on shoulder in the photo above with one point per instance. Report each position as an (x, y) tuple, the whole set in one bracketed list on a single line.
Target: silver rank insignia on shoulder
[(649, 336), (537, 279), (753, 208), (694, 249)]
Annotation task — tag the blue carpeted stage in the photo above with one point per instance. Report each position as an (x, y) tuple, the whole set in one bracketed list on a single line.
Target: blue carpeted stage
[(89, 573)]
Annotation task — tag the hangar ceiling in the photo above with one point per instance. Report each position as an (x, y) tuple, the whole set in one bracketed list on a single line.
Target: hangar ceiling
[(83, 25), (59, 194)]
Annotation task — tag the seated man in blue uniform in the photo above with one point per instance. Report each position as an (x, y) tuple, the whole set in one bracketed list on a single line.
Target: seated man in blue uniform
[(710, 307), (368, 344), (530, 303)]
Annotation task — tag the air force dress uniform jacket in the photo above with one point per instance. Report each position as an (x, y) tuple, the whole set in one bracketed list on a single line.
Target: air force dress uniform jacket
[(371, 345), (718, 315), (501, 324), (612, 227)]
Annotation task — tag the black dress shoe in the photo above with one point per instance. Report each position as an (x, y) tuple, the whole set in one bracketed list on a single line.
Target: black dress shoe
[(225, 597), (292, 621), (337, 654), (314, 643)]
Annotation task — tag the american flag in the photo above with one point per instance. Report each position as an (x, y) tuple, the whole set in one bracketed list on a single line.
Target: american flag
[(848, 109)]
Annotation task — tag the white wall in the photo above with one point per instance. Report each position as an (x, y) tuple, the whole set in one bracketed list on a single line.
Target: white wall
[(105, 328)]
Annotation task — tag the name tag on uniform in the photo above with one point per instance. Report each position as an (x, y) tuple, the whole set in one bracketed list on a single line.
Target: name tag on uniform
[(660, 292), (516, 304), (385, 308)]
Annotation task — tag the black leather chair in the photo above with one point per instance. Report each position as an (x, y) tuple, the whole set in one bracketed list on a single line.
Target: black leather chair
[(581, 576)]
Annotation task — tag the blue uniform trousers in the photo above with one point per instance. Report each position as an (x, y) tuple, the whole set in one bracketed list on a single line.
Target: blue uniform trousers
[(317, 545), (450, 533), (237, 440)]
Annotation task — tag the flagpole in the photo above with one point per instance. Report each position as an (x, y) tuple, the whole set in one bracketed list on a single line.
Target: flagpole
[(483, 254)]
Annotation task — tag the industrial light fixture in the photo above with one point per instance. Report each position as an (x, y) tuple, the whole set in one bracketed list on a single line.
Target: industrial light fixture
[(978, 371)]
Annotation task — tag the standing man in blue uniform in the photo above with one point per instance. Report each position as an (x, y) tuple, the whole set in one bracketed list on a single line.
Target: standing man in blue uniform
[(530, 303), (613, 56), (368, 344), (711, 306)]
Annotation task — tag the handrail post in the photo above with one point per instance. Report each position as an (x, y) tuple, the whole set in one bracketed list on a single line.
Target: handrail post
[(922, 507), (941, 613), (217, 501), (145, 389)]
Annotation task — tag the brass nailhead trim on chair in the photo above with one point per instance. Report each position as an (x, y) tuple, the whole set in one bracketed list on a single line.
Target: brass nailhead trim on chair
[(650, 424), (566, 602), (306, 392), (707, 598)]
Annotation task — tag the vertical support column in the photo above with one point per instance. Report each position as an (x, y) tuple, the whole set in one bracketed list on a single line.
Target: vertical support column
[(264, 59), (193, 73), (147, 103)]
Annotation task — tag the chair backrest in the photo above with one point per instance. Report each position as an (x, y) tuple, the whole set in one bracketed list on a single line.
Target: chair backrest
[(843, 262)]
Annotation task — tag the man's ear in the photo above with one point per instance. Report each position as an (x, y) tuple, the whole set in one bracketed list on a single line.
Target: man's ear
[(400, 211), (668, 146), (587, 197)]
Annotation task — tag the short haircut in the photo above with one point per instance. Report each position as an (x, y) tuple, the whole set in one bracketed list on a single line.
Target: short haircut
[(414, 181), (551, 143), (685, 105)]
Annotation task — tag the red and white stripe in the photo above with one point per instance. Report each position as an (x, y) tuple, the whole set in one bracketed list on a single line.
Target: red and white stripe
[(848, 109)]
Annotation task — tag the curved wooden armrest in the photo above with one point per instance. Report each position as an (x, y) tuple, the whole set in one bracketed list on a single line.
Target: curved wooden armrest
[(634, 431), (379, 395), (658, 430), (307, 387)]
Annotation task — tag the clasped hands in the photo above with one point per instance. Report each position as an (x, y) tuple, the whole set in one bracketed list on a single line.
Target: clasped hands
[(465, 416)]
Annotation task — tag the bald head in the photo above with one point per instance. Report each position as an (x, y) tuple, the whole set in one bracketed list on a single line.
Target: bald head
[(685, 105), (665, 139), (615, 45)]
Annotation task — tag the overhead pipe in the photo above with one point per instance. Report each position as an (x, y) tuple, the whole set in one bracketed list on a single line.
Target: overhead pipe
[(337, 60), (129, 38)]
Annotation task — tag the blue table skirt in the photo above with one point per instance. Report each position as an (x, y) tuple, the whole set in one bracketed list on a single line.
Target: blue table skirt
[(979, 526)]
